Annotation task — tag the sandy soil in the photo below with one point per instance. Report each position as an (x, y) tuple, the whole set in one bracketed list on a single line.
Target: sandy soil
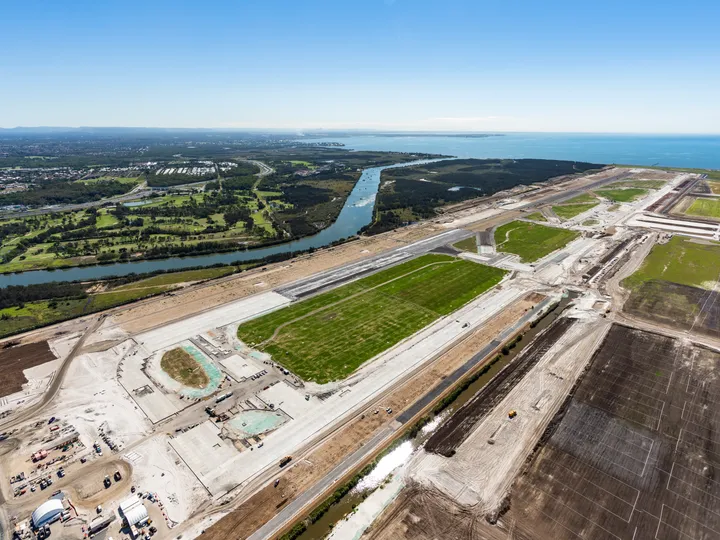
[(14, 360), (264, 504)]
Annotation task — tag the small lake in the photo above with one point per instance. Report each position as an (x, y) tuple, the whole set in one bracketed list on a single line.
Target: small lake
[(355, 214)]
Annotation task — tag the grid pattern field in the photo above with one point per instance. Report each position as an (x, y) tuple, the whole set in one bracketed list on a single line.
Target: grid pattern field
[(633, 454), (328, 336)]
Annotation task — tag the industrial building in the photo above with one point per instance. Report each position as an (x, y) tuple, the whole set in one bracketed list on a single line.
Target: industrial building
[(47, 512), (134, 512)]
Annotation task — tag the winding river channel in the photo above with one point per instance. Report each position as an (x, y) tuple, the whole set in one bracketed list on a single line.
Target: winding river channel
[(355, 214)]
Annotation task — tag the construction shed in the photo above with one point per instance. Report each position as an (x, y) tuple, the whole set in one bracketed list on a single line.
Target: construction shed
[(134, 511), (47, 512)]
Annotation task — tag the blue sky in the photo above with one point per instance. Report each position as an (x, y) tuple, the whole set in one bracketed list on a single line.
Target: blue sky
[(511, 65)]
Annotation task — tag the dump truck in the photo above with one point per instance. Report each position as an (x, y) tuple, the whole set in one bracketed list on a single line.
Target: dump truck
[(512, 413), (284, 461)]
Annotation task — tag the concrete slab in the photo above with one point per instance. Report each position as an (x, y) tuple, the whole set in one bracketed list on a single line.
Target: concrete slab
[(239, 368), (234, 312), (202, 449)]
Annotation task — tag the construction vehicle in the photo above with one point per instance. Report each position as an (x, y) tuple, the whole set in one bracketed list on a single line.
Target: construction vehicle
[(512, 413), (284, 461)]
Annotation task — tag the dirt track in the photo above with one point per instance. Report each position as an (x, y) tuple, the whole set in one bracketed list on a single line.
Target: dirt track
[(453, 432)]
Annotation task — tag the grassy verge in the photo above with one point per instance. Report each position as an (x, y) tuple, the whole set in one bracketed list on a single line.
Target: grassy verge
[(569, 211), (531, 241), (642, 184), (469, 244), (536, 216), (30, 315)]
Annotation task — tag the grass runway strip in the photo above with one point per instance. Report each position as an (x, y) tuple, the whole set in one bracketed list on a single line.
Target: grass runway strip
[(329, 336), (531, 241)]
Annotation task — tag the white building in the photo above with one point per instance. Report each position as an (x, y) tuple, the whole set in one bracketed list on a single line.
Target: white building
[(47, 512), (134, 512)]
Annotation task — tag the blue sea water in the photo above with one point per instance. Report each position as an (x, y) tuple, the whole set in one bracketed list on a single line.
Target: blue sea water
[(701, 151)]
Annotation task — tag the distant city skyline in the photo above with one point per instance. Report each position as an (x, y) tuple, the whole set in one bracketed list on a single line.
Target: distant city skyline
[(400, 65)]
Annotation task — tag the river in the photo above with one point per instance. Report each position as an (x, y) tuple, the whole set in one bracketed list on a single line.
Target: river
[(355, 214), (665, 150)]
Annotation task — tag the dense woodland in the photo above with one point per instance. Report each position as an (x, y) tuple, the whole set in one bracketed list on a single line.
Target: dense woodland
[(412, 193), (64, 192)]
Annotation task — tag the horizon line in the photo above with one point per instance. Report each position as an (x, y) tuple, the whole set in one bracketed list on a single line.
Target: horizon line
[(358, 130)]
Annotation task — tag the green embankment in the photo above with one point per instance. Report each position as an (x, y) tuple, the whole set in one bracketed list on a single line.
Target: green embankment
[(536, 216), (43, 312), (569, 211)]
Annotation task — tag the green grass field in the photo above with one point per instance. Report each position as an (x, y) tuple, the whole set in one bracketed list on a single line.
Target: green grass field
[(568, 211), (121, 179), (469, 244), (642, 184), (327, 337), (622, 194), (681, 260), (704, 208), (590, 222), (584, 198), (531, 241), (536, 216)]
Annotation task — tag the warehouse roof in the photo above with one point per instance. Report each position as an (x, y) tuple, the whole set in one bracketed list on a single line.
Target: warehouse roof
[(46, 512)]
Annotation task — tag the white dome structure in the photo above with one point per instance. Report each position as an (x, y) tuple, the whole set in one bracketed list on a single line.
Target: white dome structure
[(47, 512)]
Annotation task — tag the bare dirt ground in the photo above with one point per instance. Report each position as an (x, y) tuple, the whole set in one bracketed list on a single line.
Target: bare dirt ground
[(264, 504), (14, 360), (634, 453), (456, 429), (88, 490), (677, 306), (631, 454)]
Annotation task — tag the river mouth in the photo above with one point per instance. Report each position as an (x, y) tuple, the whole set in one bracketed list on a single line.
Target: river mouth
[(356, 213)]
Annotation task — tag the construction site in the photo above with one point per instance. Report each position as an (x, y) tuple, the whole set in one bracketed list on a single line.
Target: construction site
[(208, 406)]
